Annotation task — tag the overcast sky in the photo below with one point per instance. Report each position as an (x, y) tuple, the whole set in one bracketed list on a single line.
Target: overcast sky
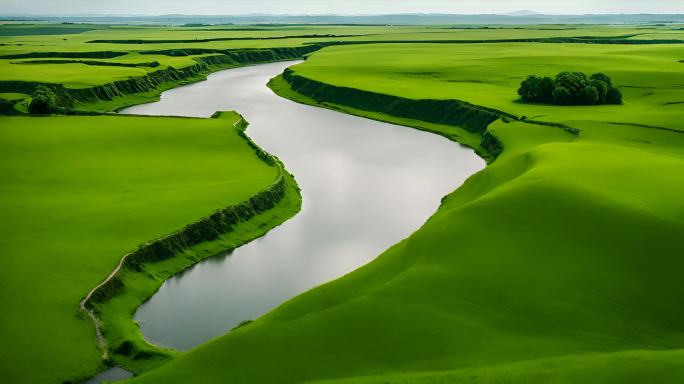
[(236, 7)]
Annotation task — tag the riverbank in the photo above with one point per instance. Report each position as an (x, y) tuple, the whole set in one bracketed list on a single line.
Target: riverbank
[(93, 188), (362, 170), (479, 138), (119, 94), (116, 327), (145, 269)]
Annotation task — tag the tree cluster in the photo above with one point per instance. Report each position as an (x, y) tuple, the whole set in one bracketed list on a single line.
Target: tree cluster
[(43, 101), (570, 88)]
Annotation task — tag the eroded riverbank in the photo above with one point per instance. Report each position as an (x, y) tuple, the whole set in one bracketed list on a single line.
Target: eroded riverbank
[(365, 184)]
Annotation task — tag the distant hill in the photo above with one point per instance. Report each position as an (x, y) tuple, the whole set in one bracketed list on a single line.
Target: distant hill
[(518, 17), (523, 12)]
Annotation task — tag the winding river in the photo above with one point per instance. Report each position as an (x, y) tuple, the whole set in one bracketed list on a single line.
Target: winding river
[(365, 185)]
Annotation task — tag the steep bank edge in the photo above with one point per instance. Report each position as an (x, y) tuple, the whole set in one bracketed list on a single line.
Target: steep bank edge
[(457, 120), (139, 274), (143, 89)]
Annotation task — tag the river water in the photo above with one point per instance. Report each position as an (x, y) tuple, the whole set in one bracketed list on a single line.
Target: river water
[(365, 185)]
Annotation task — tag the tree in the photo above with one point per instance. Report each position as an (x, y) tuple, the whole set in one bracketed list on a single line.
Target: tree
[(614, 96), (602, 77), (562, 95), (547, 87), (601, 89), (43, 101), (535, 88), (530, 88), (574, 83), (590, 95), (570, 88)]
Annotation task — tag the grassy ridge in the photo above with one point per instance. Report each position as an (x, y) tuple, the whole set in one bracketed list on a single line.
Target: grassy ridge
[(557, 263), (80, 192)]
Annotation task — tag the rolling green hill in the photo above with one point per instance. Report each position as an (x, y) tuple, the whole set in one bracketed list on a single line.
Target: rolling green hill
[(557, 263)]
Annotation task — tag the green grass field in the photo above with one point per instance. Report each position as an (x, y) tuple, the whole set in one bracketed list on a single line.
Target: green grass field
[(80, 37), (77, 193), (557, 263), (650, 76)]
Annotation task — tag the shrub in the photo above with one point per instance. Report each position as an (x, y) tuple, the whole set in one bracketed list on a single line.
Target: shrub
[(536, 88), (601, 90), (570, 88), (614, 96), (124, 348), (43, 101), (601, 77), (572, 81), (547, 86), (590, 95)]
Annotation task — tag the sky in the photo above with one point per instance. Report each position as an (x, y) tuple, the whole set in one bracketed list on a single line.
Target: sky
[(343, 7)]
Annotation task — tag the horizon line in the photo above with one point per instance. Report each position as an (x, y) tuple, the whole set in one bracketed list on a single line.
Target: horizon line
[(506, 14)]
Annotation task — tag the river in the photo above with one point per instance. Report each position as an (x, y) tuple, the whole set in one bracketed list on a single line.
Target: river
[(365, 186)]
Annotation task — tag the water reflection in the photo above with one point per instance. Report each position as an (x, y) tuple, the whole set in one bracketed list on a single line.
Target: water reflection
[(366, 185), (112, 374)]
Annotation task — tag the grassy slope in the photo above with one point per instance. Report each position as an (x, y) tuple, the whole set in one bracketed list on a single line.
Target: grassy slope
[(79, 192), (463, 136), (650, 75), (557, 263), (624, 367), (117, 313)]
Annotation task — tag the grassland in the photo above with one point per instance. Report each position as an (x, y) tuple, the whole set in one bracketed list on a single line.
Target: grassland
[(77, 194), (650, 76), (272, 37), (557, 263)]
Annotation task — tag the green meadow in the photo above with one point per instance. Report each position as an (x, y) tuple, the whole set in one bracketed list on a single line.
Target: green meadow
[(650, 76), (81, 39), (557, 263), (77, 193), (560, 262)]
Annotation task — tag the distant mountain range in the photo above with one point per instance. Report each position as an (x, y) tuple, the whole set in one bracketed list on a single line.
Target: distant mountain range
[(518, 17), (523, 12)]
